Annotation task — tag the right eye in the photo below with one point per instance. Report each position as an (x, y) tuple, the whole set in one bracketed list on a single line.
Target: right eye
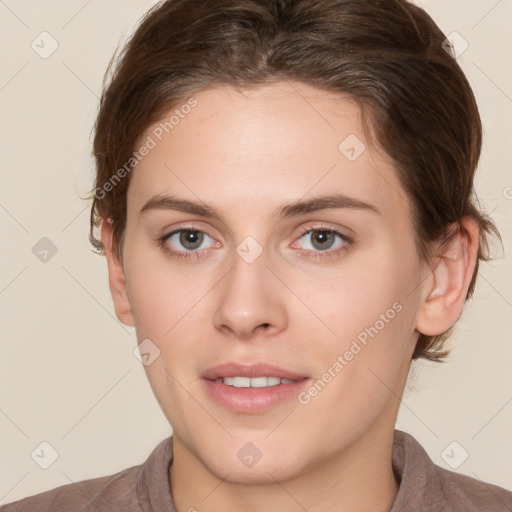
[(192, 240)]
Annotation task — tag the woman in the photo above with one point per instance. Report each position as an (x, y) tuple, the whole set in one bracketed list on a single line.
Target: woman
[(284, 195)]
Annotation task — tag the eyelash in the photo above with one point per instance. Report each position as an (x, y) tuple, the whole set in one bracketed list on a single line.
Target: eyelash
[(187, 255)]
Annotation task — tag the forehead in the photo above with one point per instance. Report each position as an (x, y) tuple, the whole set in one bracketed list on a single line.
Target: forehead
[(262, 147)]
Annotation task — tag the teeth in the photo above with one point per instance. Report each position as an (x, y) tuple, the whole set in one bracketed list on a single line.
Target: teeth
[(255, 382)]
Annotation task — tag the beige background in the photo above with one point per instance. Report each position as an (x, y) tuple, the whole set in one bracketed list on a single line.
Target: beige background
[(67, 369)]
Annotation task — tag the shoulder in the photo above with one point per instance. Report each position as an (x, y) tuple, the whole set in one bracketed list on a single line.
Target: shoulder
[(427, 486), (113, 492), (468, 493), (146, 484)]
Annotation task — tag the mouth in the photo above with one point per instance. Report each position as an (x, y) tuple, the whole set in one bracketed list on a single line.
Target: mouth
[(243, 375), (254, 382), (252, 389)]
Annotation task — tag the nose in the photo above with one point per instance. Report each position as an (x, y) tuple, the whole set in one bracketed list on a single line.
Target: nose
[(250, 301)]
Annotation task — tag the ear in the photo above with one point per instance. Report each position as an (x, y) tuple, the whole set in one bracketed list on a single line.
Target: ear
[(116, 277), (447, 286)]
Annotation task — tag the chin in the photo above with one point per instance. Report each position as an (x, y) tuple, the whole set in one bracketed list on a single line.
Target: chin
[(262, 473), (263, 461)]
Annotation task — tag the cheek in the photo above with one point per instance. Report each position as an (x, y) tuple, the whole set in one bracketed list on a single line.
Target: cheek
[(168, 311), (162, 293), (150, 300), (366, 319), (360, 373), (367, 291)]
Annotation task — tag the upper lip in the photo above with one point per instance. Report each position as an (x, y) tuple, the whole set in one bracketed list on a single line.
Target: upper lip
[(251, 370)]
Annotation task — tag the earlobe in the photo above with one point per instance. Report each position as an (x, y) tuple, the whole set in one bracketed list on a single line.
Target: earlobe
[(116, 277), (449, 282)]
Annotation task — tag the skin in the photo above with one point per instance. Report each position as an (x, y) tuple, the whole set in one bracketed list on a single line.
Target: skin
[(246, 154)]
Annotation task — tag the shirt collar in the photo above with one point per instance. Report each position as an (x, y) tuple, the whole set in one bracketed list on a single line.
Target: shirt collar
[(153, 487), (416, 473), (414, 470)]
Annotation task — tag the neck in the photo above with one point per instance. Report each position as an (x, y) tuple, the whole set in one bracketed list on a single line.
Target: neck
[(358, 478)]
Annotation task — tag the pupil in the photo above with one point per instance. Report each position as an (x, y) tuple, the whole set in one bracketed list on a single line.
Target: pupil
[(191, 237), (323, 236)]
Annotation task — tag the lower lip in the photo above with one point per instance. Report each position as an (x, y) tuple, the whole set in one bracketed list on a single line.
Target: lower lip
[(253, 400)]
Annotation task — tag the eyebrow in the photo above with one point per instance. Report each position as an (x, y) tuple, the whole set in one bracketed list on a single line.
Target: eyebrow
[(295, 209)]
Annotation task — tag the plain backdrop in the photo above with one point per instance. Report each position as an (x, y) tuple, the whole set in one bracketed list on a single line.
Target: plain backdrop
[(68, 374)]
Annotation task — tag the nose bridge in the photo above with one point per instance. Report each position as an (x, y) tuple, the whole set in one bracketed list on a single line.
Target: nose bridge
[(250, 297)]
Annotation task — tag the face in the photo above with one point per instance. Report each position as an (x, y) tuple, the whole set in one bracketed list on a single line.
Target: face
[(327, 293)]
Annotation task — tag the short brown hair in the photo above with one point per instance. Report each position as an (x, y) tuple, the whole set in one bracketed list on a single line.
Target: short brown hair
[(386, 54)]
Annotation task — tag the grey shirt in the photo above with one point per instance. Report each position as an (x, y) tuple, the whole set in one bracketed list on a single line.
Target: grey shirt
[(424, 486)]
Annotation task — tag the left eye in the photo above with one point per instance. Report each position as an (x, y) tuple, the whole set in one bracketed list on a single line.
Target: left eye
[(324, 239)]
